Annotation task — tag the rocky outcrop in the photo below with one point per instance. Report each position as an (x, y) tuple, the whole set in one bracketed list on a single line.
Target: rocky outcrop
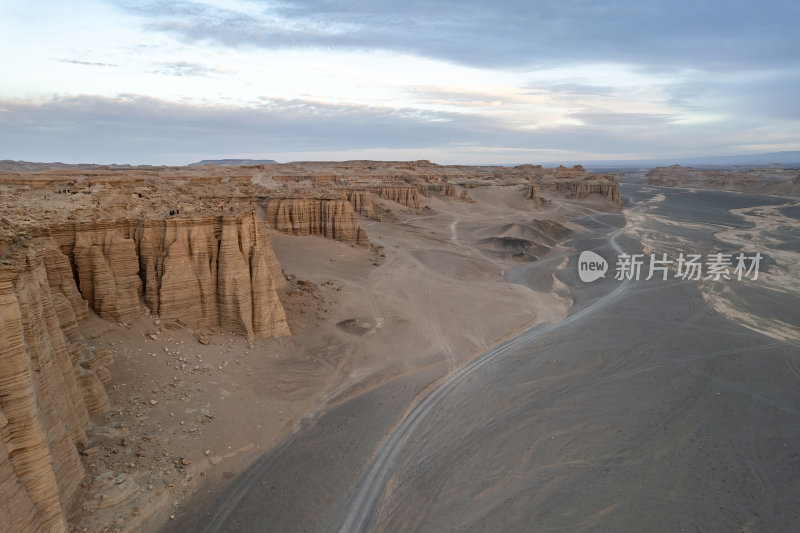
[(771, 180), (534, 192), (448, 189), (406, 196), (526, 241), (605, 188), (333, 218), (213, 271), (361, 200), (48, 386), (108, 271), (581, 189), (176, 264), (466, 197)]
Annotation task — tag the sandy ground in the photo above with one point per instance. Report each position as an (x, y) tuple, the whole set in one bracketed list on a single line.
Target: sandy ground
[(190, 417), (643, 410)]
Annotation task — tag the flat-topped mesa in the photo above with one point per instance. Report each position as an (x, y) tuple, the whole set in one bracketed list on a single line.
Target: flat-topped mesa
[(49, 383), (318, 180), (582, 189), (605, 187), (333, 218), (406, 196), (562, 172)]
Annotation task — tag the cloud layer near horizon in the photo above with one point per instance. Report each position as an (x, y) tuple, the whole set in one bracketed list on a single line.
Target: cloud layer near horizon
[(468, 81)]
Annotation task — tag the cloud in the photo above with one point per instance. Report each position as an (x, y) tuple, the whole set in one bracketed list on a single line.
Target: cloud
[(140, 129), (611, 120), (761, 95), (458, 98), (185, 69), (571, 89), (86, 63), (712, 35)]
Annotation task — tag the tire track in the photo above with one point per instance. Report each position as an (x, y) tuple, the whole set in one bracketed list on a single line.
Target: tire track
[(361, 504)]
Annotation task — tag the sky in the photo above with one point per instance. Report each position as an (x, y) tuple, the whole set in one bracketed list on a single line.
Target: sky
[(465, 82)]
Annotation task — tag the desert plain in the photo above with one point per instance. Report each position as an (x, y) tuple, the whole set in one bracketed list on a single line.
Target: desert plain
[(393, 346)]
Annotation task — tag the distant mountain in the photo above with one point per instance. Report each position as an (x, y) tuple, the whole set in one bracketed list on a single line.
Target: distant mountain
[(7, 165), (232, 162), (788, 159)]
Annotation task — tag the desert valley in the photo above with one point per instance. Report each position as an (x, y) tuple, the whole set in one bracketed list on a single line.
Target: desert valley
[(164, 326)]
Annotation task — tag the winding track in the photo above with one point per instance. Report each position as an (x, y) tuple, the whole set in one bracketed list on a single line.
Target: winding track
[(359, 506), (367, 493), (771, 497)]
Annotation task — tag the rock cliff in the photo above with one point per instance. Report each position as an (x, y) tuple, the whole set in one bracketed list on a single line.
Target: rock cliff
[(185, 267), (333, 218), (48, 385), (361, 200), (108, 271), (208, 270), (213, 270), (534, 192), (406, 196), (448, 189), (581, 189), (606, 188)]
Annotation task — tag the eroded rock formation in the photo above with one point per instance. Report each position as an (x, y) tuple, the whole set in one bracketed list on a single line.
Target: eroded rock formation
[(581, 189), (606, 188), (209, 270), (48, 385), (333, 218), (448, 189), (108, 270), (210, 265), (361, 200), (181, 265), (213, 270), (406, 196), (534, 192)]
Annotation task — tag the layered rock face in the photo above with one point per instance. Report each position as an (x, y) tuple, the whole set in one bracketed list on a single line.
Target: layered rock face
[(406, 196), (108, 270), (466, 197), (448, 189), (213, 270), (361, 200), (607, 188), (534, 192), (208, 270), (183, 266), (333, 218), (48, 385)]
